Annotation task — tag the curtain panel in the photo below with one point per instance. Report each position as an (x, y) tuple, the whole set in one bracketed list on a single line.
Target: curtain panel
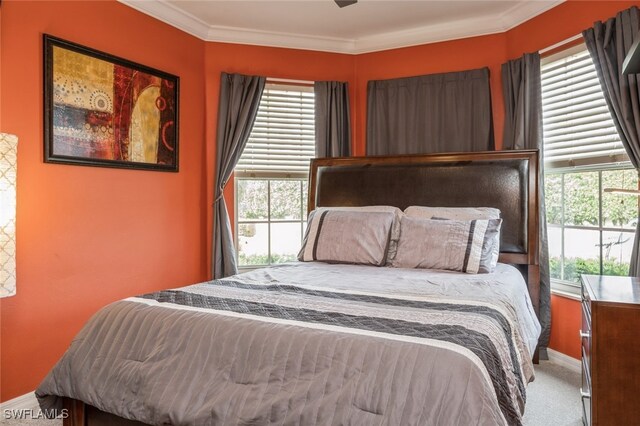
[(522, 91), (608, 43), (332, 119), (238, 106), (431, 113)]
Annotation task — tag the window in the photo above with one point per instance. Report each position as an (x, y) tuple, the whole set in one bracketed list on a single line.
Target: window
[(590, 229), (271, 177)]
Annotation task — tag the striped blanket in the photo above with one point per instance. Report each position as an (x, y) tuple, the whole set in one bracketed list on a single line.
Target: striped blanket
[(241, 351)]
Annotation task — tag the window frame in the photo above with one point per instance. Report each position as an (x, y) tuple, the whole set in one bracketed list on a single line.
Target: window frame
[(617, 162), (270, 176), (295, 177), (566, 286)]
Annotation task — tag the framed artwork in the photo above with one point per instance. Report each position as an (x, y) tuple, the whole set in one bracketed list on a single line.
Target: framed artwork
[(101, 110)]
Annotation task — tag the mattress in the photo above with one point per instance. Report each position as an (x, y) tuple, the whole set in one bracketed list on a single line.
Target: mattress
[(310, 344)]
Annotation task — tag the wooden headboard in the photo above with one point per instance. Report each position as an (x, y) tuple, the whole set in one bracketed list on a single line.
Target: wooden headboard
[(507, 180)]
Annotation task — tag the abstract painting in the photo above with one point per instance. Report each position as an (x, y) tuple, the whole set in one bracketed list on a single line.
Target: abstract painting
[(101, 110)]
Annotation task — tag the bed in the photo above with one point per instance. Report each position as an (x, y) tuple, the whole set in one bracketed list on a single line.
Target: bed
[(316, 343)]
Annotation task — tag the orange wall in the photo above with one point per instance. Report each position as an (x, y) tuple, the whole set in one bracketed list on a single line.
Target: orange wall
[(566, 317), (87, 236)]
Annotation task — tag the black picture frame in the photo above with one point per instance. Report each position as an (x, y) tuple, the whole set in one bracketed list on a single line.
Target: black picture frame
[(105, 111)]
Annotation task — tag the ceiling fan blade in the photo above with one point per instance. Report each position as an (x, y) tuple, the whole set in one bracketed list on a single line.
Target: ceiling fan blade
[(343, 3)]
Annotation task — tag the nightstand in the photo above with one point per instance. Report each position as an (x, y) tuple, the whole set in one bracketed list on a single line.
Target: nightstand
[(610, 350)]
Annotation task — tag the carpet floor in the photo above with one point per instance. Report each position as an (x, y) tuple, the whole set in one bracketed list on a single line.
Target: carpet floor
[(553, 399)]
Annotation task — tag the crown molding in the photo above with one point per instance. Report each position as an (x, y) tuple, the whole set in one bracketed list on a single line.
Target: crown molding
[(172, 15), (523, 11), (176, 17), (277, 39), (455, 30)]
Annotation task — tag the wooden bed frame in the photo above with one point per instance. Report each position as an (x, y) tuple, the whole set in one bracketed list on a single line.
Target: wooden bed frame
[(507, 180)]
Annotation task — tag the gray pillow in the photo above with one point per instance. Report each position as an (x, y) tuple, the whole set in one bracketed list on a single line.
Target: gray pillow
[(395, 229), (446, 244), (345, 236), (491, 250)]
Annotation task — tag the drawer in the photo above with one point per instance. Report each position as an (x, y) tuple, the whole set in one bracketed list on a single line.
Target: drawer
[(586, 317), (586, 301), (586, 410), (586, 350), (585, 390), (585, 337), (586, 372)]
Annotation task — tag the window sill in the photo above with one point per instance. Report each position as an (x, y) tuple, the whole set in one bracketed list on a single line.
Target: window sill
[(566, 295), (565, 289), (242, 269)]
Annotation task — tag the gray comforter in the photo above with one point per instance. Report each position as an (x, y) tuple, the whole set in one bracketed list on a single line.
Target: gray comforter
[(310, 344)]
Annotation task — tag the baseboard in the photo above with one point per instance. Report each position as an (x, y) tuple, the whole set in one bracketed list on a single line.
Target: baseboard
[(565, 361), (27, 401)]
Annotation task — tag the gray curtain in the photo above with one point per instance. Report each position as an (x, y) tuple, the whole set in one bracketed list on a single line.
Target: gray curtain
[(608, 44), (431, 113), (332, 119), (521, 87), (238, 106)]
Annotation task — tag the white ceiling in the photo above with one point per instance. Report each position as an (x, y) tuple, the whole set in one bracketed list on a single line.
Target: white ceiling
[(369, 25)]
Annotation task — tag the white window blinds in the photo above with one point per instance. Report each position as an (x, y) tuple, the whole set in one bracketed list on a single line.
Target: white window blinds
[(282, 140), (578, 129)]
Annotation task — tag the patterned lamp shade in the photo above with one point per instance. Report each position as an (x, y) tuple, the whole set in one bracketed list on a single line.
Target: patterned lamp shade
[(8, 170)]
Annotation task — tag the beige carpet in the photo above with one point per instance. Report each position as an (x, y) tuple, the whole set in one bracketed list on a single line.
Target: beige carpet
[(553, 399)]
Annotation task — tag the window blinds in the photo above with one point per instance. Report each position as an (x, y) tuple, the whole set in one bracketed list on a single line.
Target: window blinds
[(282, 140), (578, 129)]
